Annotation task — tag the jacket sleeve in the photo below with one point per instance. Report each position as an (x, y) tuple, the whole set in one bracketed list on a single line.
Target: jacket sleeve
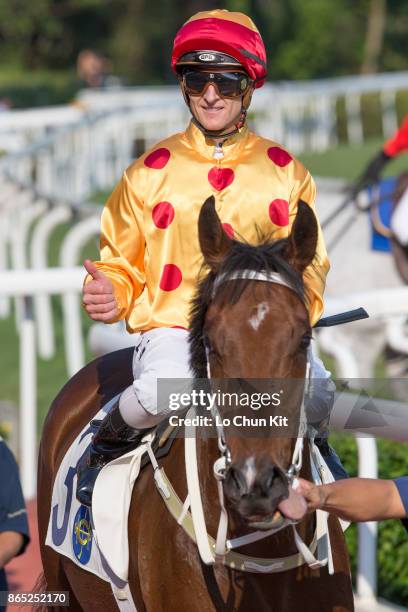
[(315, 274), (122, 245), (398, 143)]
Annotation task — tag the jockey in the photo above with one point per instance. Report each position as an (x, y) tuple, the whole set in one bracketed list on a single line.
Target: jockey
[(397, 144), (150, 254)]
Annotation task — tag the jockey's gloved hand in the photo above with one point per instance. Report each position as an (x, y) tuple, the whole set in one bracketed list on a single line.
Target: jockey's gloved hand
[(371, 174)]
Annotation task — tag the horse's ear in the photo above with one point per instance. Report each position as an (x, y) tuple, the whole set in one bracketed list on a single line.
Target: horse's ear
[(214, 242), (302, 241)]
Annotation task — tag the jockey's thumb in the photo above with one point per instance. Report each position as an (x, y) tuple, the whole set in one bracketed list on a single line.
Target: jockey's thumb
[(93, 271)]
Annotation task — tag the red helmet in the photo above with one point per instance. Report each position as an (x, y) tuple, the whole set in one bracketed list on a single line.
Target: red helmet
[(221, 36)]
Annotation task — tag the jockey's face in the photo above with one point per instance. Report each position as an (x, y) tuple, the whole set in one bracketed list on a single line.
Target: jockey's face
[(214, 112)]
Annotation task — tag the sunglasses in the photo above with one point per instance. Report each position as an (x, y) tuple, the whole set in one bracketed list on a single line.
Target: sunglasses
[(227, 84)]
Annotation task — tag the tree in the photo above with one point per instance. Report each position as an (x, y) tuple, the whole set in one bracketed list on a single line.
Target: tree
[(374, 36)]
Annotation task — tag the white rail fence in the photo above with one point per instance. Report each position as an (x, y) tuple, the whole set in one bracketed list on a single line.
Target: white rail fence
[(74, 151)]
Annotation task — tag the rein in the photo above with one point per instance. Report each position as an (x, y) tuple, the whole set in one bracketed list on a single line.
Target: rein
[(372, 207)]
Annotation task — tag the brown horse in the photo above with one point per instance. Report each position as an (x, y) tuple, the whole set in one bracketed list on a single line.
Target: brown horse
[(166, 573)]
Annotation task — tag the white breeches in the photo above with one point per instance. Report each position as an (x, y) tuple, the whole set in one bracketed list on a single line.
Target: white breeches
[(159, 353)]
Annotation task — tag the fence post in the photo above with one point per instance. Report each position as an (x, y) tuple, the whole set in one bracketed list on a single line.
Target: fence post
[(367, 532), (28, 399)]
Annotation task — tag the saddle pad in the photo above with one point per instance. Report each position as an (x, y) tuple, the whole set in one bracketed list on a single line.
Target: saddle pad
[(96, 541), (386, 186)]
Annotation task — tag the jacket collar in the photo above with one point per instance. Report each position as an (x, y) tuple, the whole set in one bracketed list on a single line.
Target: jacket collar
[(231, 147)]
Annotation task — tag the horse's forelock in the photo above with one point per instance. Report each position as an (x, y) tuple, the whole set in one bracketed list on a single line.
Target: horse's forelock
[(266, 257)]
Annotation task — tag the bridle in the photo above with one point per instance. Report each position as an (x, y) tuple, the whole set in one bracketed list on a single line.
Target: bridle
[(296, 464), (223, 546)]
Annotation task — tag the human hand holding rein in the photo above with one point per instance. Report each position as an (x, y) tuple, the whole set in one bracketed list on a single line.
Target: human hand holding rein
[(98, 296)]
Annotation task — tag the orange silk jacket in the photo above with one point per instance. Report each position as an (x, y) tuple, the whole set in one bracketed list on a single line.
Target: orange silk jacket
[(149, 240)]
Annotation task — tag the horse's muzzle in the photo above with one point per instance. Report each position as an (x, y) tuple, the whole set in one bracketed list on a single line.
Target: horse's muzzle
[(257, 498)]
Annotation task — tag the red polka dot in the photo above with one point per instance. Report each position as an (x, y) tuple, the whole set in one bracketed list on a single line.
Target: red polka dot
[(220, 178), (279, 156), (228, 229), (157, 159), (171, 277), (279, 212), (163, 214)]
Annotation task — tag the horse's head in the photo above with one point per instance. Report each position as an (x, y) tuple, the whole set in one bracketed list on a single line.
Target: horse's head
[(251, 329)]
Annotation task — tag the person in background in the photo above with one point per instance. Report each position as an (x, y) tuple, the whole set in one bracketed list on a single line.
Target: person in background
[(94, 70), (396, 145), (14, 533), (359, 499), (5, 104)]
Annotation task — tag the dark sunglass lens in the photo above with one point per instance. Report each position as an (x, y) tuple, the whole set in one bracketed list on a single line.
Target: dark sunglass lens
[(229, 84), (232, 83), (195, 81)]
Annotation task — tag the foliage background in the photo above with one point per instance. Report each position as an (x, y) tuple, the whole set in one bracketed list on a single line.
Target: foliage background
[(39, 41), (392, 550)]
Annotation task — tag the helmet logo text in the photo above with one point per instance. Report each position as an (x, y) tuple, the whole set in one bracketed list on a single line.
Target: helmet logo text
[(206, 57)]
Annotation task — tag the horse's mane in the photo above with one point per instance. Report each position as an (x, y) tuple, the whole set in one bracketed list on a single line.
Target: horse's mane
[(267, 256)]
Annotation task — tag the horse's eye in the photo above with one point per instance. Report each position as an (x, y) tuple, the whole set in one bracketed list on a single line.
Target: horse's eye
[(305, 341)]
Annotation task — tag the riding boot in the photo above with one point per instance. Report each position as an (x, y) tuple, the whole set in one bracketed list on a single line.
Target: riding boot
[(331, 458), (113, 438)]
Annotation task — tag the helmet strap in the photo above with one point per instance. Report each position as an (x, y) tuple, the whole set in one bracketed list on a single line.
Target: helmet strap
[(219, 133)]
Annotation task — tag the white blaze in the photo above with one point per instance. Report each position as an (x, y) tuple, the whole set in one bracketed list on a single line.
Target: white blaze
[(249, 472), (261, 312)]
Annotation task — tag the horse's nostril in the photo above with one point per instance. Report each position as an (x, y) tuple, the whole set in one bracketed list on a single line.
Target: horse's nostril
[(270, 478), (235, 482)]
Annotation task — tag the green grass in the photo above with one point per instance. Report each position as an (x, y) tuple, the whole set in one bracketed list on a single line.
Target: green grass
[(348, 162)]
